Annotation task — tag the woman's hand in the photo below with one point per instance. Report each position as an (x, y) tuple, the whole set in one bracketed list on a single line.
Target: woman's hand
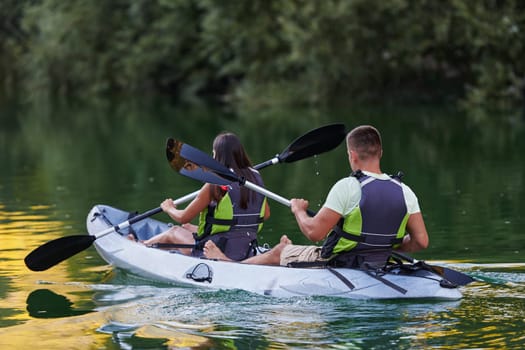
[(167, 205)]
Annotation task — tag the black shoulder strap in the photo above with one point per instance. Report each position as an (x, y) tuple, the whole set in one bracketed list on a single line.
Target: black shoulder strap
[(357, 174), (398, 176)]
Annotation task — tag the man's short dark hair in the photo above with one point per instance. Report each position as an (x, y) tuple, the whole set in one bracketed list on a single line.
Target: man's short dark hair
[(365, 140)]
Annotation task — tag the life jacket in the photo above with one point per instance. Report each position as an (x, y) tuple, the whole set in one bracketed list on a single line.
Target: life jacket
[(232, 228), (377, 224), (227, 215)]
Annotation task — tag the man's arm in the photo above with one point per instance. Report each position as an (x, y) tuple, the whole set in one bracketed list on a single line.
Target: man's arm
[(315, 228), (417, 237)]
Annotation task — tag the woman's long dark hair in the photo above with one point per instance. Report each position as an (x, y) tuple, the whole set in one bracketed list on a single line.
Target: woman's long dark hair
[(230, 152)]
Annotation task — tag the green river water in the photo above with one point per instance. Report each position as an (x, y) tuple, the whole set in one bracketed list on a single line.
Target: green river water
[(56, 162)]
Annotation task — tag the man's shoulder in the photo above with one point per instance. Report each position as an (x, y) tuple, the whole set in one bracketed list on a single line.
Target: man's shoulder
[(344, 195), (347, 181)]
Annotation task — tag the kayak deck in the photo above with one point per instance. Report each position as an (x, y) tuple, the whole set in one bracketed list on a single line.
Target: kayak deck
[(172, 267)]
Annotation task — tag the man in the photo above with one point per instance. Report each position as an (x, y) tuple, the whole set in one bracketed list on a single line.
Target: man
[(364, 217)]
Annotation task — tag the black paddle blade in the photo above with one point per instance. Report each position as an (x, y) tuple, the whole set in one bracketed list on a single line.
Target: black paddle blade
[(195, 164), (456, 277), (314, 142), (55, 251)]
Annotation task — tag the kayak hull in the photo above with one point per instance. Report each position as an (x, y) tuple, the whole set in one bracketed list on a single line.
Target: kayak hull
[(278, 281)]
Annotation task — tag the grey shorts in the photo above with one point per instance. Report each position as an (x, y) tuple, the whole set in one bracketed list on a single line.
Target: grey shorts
[(300, 253)]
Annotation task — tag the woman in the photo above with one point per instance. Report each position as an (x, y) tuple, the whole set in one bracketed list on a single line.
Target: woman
[(230, 216)]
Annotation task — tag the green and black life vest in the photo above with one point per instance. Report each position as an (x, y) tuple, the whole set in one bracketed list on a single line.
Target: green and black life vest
[(376, 224), (228, 216)]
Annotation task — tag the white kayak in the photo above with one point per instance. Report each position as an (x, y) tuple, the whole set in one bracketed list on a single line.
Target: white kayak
[(172, 267)]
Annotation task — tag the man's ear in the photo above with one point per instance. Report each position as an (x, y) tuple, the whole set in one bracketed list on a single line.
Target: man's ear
[(352, 156)]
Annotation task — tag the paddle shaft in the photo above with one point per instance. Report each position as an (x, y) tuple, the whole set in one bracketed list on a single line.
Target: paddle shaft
[(143, 216), (273, 196)]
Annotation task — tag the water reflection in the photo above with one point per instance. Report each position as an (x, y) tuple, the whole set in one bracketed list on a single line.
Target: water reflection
[(44, 303), (20, 230)]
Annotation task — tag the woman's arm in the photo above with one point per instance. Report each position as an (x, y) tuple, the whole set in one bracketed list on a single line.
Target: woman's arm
[(191, 211)]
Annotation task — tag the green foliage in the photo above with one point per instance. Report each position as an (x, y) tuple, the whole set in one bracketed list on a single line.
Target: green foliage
[(12, 41), (267, 52)]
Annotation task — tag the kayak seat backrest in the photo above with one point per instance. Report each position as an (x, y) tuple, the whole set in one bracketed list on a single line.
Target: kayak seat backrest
[(148, 228)]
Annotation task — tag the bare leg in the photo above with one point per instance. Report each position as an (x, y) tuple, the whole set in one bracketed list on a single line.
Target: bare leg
[(175, 235), (271, 257)]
